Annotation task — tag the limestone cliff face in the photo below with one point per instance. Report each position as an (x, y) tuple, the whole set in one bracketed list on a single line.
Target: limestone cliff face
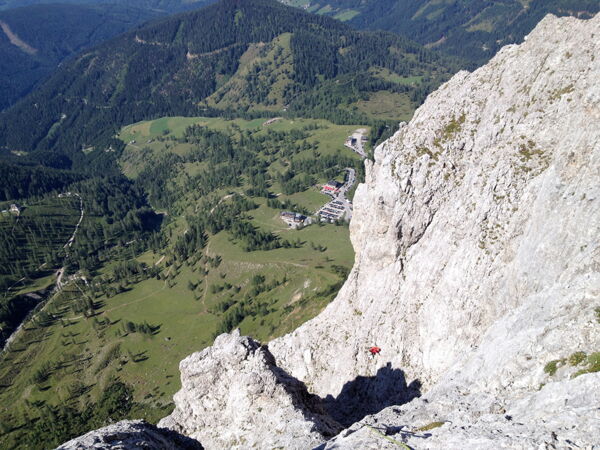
[(476, 234), (477, 238), (234, 396)]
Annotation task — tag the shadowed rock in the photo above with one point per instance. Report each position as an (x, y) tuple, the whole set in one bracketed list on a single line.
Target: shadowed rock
[(234, 396), (132, 434), (370, 394)]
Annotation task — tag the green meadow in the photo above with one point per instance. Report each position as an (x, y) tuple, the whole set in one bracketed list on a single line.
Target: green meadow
[(137, 328)]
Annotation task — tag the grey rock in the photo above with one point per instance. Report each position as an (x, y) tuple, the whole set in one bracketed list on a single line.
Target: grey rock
[(234, 396), (477, 257), (131, 434)]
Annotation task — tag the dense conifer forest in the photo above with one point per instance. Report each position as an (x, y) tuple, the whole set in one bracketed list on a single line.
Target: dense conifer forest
[(159, 6), (170, 66), (470, 29), (49, 34)]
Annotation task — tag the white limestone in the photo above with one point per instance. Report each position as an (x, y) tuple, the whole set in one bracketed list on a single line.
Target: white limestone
[(131, 434), (477, 263), (233, 396), (477, 245)]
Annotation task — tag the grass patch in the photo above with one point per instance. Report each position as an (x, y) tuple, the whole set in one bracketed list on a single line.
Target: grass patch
[(387, 105), (577, 358), (431, 426), (346, 15), (453, 127), (388, 75), (553, 366), (593, 365)]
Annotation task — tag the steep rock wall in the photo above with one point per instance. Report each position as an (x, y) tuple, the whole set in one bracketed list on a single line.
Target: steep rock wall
[(477, 264), (476, 233)]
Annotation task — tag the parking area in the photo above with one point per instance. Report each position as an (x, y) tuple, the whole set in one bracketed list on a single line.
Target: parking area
[(339, 208)]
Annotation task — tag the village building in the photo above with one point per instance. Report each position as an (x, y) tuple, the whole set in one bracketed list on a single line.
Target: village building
[(293, 219), (14, 208), (332, 187)]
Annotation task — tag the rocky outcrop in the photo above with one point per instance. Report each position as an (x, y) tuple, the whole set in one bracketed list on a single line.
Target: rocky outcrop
[(477, 273), (234, 396), (477, 251), (130, 434), (560, 415)]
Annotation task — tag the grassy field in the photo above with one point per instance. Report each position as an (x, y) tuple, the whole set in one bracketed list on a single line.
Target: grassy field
[(150, 135), (346, 15), (329, 136), (187, 301), (387, 105), (387, 75), (185, 320)]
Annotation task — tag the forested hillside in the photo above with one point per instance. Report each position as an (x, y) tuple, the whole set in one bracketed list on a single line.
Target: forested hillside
[(35, 39), (272, 57), (471, 29), (162, 6), (139, 289)]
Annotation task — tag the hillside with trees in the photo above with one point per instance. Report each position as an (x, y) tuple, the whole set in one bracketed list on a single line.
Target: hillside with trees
[(34, 40), (158, 6), (470, 29), (173, 66), (142, 289)]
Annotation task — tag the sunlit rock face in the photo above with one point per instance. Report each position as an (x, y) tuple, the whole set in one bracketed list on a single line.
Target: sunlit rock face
[(477, 273), (132, 434), (234, 396), (477, 251)]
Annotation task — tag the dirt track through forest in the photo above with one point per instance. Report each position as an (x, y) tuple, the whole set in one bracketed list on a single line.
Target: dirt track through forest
[(16, 40)]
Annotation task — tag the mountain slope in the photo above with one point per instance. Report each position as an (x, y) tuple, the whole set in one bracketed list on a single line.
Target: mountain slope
[(172, 65), (35, 39), (477, 273), (158, 6), (471, 29), (477, 255)]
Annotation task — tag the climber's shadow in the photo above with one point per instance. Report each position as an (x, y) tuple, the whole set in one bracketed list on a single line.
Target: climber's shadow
[(369, 395)]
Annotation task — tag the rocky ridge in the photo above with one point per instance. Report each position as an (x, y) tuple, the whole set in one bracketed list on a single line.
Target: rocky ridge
[(477, 254), (130, 434), (234, 396), (477, 272)]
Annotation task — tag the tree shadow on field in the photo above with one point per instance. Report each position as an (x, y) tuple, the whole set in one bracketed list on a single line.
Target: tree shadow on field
[(369, 395)]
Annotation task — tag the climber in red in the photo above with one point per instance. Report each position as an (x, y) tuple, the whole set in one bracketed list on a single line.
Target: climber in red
[(374, 351)]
